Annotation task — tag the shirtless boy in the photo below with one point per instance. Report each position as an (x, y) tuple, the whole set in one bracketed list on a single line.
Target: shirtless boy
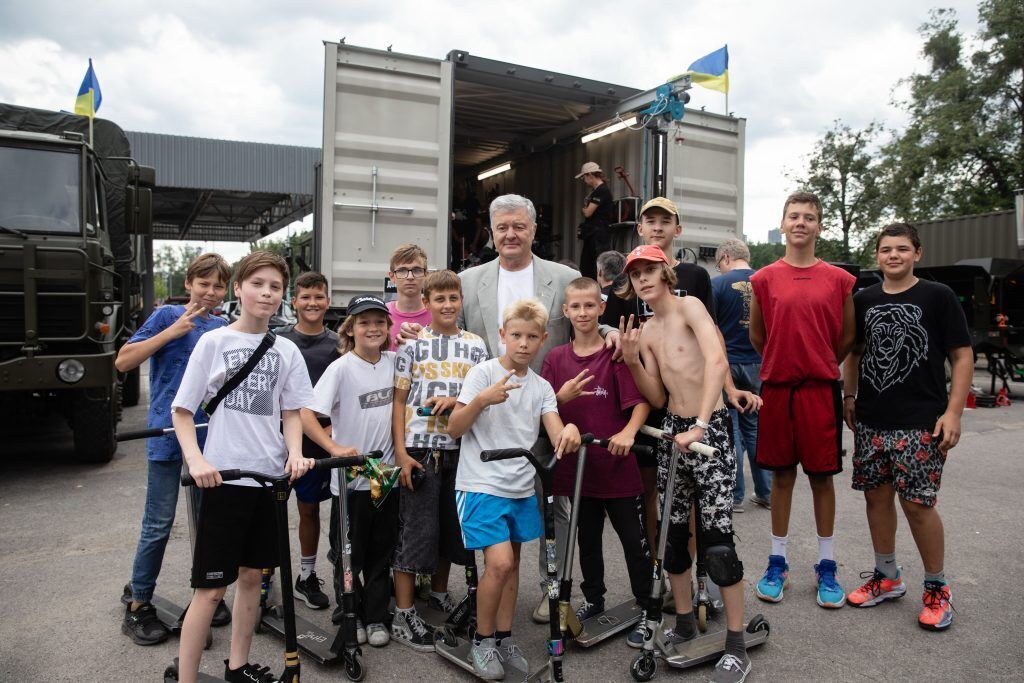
[(678, 359)]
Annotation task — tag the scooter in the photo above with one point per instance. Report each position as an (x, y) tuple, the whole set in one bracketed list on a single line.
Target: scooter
[(280, 487), (704, 648), (611, 621), (170, 614)]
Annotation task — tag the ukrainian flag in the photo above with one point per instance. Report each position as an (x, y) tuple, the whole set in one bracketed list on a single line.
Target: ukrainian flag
[(89, 96), (712, 71)]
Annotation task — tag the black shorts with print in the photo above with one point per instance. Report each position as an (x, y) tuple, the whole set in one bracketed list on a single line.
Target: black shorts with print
[(909, 460)]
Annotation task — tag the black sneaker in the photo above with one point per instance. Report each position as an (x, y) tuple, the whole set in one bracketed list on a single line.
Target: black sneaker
[(409, 629), (221, 615), (250, 673), (143, 626), (311, 592), (126, 595)]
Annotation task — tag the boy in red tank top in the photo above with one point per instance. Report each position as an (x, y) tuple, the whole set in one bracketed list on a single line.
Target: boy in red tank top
[(802, 324)]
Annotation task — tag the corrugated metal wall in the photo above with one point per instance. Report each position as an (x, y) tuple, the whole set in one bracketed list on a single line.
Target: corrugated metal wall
[(986, 235), (204, 163)]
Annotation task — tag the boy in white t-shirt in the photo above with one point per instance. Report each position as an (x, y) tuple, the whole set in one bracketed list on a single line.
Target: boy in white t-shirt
[(502, 405), (236, 530)]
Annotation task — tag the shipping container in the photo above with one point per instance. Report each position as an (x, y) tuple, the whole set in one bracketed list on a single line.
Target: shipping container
[(998, 234), (400, 130)]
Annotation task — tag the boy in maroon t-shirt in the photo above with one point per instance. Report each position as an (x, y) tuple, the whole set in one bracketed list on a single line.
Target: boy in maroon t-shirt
[(600, 397), (802, 324)]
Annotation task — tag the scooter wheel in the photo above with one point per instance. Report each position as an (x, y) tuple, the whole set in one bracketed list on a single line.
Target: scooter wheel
[(171, 673), (354, 669), (444, 634), (644, 667), (702, 617), (759, 623)]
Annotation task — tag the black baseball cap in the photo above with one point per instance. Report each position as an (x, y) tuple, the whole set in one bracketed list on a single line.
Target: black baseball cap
[(361, 303)]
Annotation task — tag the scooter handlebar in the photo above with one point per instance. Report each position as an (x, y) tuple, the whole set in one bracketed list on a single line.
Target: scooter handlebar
[(150, 433), (322, 464), (698, 447), (504, 454), (636, 448)]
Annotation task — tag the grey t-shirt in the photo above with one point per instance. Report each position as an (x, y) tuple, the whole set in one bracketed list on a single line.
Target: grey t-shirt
[(512, 424), (319, 351)]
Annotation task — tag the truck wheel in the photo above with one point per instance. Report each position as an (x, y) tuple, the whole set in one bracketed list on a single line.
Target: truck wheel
[(94, 423), (131, 388)]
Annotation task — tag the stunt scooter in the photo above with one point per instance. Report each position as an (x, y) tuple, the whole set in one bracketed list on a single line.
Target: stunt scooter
[(611, 621), (280, 488), (170, 614), (704, 648)]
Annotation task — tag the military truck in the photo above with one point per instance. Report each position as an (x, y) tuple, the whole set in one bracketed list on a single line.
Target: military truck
[(75, 244)]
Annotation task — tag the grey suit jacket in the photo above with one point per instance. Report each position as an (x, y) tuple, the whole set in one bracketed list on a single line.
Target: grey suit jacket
[(480, 303)]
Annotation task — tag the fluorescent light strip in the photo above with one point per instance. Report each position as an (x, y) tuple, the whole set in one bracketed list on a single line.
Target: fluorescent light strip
[(617, 126), (495, 171)]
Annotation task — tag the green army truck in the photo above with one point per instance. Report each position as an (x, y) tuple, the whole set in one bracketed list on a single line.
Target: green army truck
[(75, 241)]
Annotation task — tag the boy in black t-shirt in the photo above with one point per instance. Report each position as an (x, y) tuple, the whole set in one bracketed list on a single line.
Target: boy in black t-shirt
[(319, 348), (904, 424)]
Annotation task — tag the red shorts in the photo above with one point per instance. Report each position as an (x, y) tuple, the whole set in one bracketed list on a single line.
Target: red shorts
[(801, 424)]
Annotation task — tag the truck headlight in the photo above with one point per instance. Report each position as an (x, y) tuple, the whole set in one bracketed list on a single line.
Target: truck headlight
[(70, 370)]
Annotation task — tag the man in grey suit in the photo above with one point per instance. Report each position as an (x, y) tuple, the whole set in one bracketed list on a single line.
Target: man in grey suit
[(518, 274)]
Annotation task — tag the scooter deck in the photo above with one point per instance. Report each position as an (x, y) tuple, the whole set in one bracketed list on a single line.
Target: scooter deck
[(459, 654), (168, 613), (171, 675), (312, 639), (609, 623), (704, 648)]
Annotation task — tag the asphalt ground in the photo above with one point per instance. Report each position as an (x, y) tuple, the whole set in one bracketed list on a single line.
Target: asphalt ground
[(68, 533)]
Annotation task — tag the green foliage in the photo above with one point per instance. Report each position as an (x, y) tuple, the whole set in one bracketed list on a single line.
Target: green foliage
[(169, 265), (292, 248), (831, 250)]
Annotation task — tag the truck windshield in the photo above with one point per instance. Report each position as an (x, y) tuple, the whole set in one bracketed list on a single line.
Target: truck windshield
[(39, 190)]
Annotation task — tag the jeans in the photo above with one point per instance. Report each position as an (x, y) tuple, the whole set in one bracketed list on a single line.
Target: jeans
[(744, 426), (162, 486)]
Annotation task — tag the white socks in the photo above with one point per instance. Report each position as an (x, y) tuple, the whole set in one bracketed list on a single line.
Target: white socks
[(825, 548), (779, 545), (306, 566)]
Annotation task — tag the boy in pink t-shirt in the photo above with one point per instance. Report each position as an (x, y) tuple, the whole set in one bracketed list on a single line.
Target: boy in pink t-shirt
[(407, 271), (600, 397)]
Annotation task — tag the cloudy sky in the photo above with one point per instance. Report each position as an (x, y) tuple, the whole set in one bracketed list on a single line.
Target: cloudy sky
[(253, 70)]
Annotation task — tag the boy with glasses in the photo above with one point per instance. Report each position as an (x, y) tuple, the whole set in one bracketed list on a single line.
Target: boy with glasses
[(407, 271)]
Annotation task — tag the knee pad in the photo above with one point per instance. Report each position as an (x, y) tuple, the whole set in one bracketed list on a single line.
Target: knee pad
[(723, 566), (677, 553)]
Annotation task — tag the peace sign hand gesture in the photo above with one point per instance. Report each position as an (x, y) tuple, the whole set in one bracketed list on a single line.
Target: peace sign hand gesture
[(497, 392), (184, 325), (630, 340), (573, 388)]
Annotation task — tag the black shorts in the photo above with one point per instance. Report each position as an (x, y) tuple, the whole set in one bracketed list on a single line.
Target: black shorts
[(237, 527)]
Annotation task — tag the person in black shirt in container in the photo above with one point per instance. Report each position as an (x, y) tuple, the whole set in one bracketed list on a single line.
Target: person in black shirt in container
[(597, 218), (903, 422)]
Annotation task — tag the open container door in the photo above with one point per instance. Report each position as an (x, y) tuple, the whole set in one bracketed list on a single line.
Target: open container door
[(386, 164)]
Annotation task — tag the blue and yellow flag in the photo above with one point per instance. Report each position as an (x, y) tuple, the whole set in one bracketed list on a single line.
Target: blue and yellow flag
[(89, 96), (712, 71)]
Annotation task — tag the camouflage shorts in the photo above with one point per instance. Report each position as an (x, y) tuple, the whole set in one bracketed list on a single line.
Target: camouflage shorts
[(909, 460)]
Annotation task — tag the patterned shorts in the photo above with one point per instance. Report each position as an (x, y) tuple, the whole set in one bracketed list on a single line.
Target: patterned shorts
[(909, 460)]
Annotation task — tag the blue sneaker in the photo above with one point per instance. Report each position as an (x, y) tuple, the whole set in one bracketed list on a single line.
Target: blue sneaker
[(775, 579), (830, 593)]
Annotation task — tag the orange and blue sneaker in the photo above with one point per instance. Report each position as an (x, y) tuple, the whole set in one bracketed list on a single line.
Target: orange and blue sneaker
[(937, 613), (830, 593), (775, 579), (878, 589)]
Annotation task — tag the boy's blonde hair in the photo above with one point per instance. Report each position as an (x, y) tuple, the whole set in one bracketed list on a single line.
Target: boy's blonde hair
[(584, 284), (668, 276), (407, 253), (530, 310), (442, 281), (346, 335), (250, 263), (207, 265)]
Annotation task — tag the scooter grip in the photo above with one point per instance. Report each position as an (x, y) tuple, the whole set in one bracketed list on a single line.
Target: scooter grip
[(636, 448), (142, 434), (225, 475), (698, 447), (503, 454), (347, 461)]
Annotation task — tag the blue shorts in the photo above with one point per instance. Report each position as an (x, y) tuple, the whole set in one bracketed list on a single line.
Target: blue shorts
[(489, 520), (314, 486)]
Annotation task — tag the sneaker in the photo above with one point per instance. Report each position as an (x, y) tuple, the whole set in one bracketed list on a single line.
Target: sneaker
[(486, 660), (221, 615), (877, 589), (126, 594), (763, 502), (737, 506), (250, 673), (542, 614), (510, 655), (445, 605), (937, 613), (143, 626), (589, 609), (377, 635), (409, 629), (639, 632), (360, 632), (775, 579), (311, 592), (673, 638), (730, 669), (830, 593)]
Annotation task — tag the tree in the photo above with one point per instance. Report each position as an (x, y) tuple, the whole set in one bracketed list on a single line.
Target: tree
[(963, 149), (847, 175), (169, 265)]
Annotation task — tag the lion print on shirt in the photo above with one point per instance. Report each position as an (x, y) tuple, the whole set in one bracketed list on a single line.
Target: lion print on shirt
[(896, 343)]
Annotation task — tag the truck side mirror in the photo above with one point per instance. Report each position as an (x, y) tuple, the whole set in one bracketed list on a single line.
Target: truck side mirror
[(147, 176), (138, 208)]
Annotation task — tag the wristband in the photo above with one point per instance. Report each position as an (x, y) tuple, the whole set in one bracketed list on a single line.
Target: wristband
[(701, 423)]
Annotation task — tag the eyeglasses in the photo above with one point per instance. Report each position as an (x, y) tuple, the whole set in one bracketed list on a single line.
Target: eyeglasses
[(718, 263), (409, 273)]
